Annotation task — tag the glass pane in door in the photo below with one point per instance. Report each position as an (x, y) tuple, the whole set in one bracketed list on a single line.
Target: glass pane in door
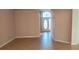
[(45, 24)]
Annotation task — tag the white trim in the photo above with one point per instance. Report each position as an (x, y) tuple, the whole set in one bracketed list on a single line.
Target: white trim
[(7, 42), (75, 44), (62, 41), (27, 36)]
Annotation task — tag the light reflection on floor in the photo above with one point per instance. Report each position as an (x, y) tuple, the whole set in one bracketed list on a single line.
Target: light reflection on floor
[(46, 40)]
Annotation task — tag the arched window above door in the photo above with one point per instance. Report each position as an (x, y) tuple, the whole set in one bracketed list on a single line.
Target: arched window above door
[(46, 14)]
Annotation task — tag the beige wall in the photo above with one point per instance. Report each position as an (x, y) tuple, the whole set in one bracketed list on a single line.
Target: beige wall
[(75, 27), (62, 28), (27, 23), (7, 30)]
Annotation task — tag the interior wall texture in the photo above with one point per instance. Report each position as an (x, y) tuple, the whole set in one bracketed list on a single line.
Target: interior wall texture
[(62, 24), (75, 27), (7, 28), (27, 23)]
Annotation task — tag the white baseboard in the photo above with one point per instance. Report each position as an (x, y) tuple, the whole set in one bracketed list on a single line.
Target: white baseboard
[(7, 42), (74, 43), (27, 36), (62, 41)]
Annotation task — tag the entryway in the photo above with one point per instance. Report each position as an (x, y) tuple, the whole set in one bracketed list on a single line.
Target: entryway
[(46, 27)]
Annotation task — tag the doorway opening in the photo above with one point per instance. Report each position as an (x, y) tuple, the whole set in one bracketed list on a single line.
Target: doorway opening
[(46, 19), (46, 28)]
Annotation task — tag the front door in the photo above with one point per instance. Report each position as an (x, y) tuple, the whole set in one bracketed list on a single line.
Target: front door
[(45, 24)]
